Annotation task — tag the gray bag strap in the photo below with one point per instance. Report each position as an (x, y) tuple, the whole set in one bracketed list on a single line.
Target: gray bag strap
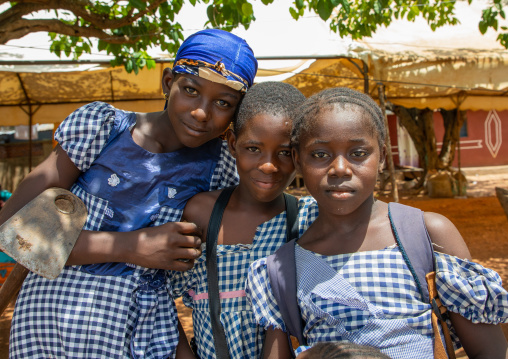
[(281, 267), (414, 242)]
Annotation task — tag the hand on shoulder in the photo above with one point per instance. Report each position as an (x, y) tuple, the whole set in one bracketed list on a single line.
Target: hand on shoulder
[(445, 236)]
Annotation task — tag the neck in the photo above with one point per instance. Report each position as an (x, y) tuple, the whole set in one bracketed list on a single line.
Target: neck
[(339, 233), (242, 200)]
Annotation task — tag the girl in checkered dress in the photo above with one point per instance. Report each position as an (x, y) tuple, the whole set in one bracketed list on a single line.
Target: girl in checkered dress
[(254, 221), (353, 283), (134, 172)]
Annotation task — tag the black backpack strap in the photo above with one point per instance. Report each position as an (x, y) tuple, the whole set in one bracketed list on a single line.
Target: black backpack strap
[(219, 337), (291, 217), (281, 267), (414, 242)]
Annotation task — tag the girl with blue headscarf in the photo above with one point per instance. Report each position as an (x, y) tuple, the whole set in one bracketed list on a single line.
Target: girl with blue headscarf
[(135, 173)]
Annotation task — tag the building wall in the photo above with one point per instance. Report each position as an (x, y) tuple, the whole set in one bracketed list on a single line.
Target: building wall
[(486, 142), (14, 161)]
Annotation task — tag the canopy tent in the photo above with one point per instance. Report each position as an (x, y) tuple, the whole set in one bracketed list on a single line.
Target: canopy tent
[(453, 66)]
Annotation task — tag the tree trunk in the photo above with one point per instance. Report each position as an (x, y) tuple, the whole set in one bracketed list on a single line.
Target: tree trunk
[(420, 126), (452, 124)]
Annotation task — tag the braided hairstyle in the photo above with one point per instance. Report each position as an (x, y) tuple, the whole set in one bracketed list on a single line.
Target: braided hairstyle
[(342, 98), (341, 350), (270, 98)]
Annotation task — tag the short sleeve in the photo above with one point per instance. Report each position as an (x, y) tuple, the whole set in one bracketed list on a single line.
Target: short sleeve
[(85, 132), (473, 291), (259, 292), (225, 174)]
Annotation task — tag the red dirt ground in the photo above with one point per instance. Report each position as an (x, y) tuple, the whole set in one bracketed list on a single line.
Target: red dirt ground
[(481, 221)]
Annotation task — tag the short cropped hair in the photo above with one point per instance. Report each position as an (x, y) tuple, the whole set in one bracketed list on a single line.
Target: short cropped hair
[(270, 98), (340, 350), (343, 96)]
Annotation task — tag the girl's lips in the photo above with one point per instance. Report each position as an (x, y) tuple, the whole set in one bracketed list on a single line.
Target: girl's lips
[(196, 131), (340, 193), (265, 184)]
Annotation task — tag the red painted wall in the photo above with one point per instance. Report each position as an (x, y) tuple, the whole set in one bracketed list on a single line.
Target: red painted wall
[(486, 143)]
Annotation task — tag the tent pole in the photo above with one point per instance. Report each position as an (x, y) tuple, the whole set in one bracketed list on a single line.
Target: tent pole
[(461, 97), (391, 167), (30, 114)]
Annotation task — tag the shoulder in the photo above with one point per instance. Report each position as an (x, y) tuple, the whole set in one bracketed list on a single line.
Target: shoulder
[(445, 236), (94, 109), (199, 208)]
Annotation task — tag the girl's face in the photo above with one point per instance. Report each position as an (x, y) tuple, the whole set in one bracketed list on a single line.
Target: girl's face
[(199, 109), (339, 158), (263, 156)]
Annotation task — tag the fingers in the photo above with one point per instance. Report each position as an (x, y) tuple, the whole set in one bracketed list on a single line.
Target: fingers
[(178, 265), (187, 228), (188, 253)]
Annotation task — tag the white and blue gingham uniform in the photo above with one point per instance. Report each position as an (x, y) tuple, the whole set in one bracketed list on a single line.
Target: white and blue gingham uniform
[(371, 298), (244, 336), (114, 310)]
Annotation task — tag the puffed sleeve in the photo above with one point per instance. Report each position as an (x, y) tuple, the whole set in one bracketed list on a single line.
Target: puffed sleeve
[(84, 133), (225, 174), (473, 291), (259, 292)]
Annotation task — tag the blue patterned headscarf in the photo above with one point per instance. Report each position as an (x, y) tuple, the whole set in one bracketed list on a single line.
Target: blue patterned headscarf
[(218, 56)]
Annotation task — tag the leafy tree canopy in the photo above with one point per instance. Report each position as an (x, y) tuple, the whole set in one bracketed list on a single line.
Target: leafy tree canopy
[(126, 29)]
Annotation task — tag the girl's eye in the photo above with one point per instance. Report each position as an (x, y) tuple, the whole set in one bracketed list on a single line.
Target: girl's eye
[(359, 153), (285, 153), (319, 154), (252, 149), (223, 103), (190, 90)]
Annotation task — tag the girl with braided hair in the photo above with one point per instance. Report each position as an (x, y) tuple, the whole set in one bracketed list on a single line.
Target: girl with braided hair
[(353, 282)]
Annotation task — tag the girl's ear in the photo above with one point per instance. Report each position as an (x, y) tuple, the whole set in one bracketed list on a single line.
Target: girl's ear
[(167, 80), (382, 159), (296, 160), (231, 138)]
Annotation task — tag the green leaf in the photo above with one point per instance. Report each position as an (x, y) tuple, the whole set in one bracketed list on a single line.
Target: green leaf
[(138, 4), (324, 9), (293, 13), (128, 66), (247, 9), (299, 4), (483, 27)]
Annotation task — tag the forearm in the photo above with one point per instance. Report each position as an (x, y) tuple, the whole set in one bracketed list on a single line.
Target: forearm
[(160, 247), (480, 341), (103, 247)]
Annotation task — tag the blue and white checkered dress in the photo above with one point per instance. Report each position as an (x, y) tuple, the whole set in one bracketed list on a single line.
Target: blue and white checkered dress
[(244, 337), (370, 298), (113, 310)]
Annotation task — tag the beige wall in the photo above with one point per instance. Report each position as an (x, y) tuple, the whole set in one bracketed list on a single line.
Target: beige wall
[(14, 161)]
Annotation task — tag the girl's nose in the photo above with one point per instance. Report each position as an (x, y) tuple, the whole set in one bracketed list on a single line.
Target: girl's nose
[(201, 112), (268, 165), (340, 167)]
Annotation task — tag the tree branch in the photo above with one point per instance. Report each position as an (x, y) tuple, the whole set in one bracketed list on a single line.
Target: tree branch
[(23, 27)]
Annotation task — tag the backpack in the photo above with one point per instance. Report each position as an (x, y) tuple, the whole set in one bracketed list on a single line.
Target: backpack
[(414, 242), (219, 337)]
